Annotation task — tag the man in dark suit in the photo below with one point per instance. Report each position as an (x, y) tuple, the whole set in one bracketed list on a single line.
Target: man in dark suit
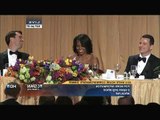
[(145, 61), (11, 91), (14, 41)]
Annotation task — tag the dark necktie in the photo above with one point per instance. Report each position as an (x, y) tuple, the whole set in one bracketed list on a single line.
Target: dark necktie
[(143, 59), (10, 52)]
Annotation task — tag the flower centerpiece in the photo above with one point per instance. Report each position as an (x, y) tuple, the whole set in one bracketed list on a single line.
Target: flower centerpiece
[(47, 71)]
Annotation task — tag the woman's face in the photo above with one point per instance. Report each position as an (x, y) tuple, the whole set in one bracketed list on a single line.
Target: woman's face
[(81, 50)]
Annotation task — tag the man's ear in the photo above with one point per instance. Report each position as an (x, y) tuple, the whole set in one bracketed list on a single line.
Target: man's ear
[(151, 47)]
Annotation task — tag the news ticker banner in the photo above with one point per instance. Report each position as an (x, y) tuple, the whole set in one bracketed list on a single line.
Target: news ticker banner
[(33, 22), (99, 82), (83, 88)]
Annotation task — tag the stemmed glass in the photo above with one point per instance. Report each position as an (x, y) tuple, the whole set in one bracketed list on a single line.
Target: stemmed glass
[(133, 70), (5, 69), (94, 68), (117, 68)]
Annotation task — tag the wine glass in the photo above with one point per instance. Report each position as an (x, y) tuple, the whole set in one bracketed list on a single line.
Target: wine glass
[(94, 68), (133, 70), (5, 69), (117, 68)]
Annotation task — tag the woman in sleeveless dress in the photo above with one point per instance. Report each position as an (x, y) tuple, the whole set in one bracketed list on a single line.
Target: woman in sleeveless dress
[(82, 47)]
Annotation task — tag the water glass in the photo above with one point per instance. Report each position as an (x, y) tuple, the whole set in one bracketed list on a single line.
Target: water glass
[(133, 70)]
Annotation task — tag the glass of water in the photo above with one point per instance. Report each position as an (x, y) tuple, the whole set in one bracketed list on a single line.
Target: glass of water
[(133, 70)]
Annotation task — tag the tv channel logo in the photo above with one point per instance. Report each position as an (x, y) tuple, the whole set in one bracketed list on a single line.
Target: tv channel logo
[(10, 86), (33, 22)]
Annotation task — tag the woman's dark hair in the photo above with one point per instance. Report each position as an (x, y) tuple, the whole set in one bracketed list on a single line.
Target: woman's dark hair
[(11, 34), (85, 42)]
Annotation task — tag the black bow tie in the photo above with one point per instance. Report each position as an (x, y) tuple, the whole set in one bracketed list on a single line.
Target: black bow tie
[(10, 52), (143, 59)]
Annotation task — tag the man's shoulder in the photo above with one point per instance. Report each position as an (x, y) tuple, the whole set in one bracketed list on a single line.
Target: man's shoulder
[(10, 102), (24, 53), (4, 52), (154, 57), (134, 56)]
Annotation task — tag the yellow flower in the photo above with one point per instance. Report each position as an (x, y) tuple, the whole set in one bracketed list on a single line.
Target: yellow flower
[(67, 61), (30, 57), (75, 74)]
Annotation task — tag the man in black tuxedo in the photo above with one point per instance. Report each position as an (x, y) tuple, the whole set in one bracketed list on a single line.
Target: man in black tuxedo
[(146, 62), (14, 41), (12, 92)]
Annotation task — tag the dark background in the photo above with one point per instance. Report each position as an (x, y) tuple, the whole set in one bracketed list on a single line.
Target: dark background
[(48, 7)]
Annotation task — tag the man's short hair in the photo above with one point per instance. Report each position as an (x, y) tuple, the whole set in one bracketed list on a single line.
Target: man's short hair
[(11, 34), (126, 100), (150, 37)]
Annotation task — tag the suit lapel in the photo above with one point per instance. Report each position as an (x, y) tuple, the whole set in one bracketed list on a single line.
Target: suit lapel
[(19, 55), (135, 61), (148, 65)]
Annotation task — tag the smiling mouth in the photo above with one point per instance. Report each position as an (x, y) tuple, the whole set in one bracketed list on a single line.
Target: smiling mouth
[(80, 50)]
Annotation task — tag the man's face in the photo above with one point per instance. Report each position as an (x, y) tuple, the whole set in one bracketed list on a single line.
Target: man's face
[(144, 46), (18, 40)]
